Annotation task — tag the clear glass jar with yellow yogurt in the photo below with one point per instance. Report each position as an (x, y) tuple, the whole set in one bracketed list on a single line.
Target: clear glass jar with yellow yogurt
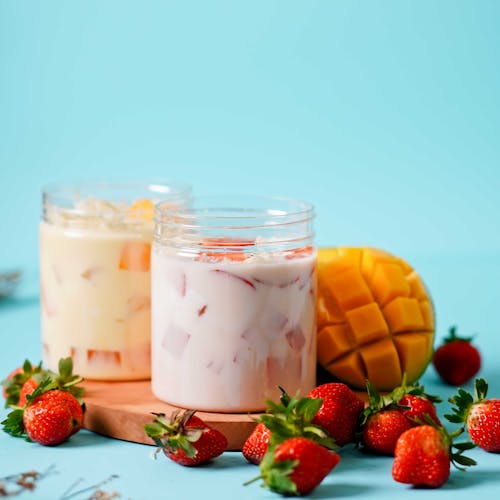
[(95, 242)]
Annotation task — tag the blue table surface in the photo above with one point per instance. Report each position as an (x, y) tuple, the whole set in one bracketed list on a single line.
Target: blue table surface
[(465, 290)]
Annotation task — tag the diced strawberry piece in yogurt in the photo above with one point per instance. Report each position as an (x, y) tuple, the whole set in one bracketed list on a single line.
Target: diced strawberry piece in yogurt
[(175, 340)]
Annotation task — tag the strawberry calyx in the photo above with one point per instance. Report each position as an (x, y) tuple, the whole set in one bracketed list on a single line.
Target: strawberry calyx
[(463, 401), (13, 385), (415, 389), (276, 474), (378, 402), (172, 433), (292, 417), (66, 380), (452, 336)]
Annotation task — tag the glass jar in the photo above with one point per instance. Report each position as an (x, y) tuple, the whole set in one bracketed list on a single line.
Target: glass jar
[(95, 242), (233, 302)]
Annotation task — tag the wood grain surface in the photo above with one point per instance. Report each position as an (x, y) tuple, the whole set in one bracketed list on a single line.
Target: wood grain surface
[(120, 410)]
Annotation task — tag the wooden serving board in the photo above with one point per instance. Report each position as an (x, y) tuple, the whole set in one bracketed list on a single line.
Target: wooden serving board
[(120, 410)]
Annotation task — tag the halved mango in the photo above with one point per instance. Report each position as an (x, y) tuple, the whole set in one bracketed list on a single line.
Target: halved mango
[(375, 317)]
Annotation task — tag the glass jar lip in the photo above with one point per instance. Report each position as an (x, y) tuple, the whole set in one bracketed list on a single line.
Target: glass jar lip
[(65, 195), (162, 186), (236, 207)]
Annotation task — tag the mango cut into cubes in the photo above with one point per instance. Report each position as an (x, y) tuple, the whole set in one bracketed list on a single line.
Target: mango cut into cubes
[(375, 318)]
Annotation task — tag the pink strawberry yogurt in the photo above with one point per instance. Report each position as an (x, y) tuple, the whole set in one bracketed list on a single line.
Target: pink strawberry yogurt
[(233, 318)]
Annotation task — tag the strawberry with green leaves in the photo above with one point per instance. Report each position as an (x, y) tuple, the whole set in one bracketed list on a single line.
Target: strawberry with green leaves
[(480, 415), (387, 417), (414, 402), (424, 453), (339, 412), (49, 417), (14, 382), (26, 379), (185, 438), (296, 466), (457, 360), (383, 421), (290, 417)]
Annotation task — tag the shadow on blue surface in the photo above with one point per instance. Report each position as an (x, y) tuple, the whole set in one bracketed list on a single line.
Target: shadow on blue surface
[(472, 477), (342, 490), (18, 302)]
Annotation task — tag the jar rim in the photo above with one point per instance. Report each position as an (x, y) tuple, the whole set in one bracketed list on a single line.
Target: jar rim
[(235, 207), (172, 186)]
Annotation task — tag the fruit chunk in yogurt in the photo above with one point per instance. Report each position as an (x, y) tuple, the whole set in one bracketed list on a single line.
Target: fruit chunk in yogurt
[(95, 290), (228, 328)]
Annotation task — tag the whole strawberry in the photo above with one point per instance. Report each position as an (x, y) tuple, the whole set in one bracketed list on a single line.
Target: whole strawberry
[(481, 416), (457, 360), (49, 417), (296, 466), (185, 438), (339, 412), (255, 446), (291, 416), (415, 403), (423, 456), (52, 417), (382, 430)]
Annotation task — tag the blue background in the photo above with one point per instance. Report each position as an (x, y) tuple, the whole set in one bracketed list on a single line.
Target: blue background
[(385, 115)]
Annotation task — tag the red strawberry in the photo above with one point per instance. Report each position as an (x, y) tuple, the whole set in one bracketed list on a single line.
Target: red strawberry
[(23, 381), (418, 408), (49, 416), (185, 438), (255, 446), (423, 455), (296, 466), (457, 360), (52, 417), (292, 416), (339, 412), (15, 380), (382, 430), (481, 415), (28, 388)]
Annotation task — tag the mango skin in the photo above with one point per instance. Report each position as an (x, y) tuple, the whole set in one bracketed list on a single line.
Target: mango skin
[(375, 317)]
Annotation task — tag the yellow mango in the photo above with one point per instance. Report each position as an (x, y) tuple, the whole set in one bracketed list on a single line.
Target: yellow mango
[(375, 317)]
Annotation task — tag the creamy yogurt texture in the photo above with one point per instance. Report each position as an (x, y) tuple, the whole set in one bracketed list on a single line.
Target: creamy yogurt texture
[(95, 289), (226, 332)]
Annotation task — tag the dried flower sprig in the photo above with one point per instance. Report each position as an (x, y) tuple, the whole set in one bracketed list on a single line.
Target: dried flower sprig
[(15, 484), (95, 490)]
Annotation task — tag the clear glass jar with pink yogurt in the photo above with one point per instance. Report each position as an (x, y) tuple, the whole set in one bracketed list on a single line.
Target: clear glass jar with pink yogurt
[(95, 242), (233, 302)]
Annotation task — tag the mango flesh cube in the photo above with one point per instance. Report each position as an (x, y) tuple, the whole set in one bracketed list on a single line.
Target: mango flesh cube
[(383, 354), (349, 369), (367, 323), (415, 351), (417, 287), (388, 282), (404, 314), (375, 317), (349, 289), (333, 342)]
